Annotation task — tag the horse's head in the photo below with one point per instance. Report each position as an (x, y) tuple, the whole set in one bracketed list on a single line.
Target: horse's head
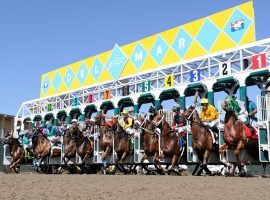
[(228, 109), (73, 132), (191, 113), (140, 121), (8, 137), (99, 119), (158, 120)]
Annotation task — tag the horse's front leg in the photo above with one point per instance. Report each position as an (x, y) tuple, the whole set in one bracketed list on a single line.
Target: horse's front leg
[(237, 151), (206, 156), (105, 153), (124, 155), (157, 163), (103, 157), (223, 159)]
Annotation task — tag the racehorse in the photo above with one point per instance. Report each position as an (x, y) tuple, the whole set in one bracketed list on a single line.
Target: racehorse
[(41, 146), (121, 142), (202, 141), (235, 137), (150, 141), (16, 150), (171, 146), (106, 137), (69, 144), (84, 146)]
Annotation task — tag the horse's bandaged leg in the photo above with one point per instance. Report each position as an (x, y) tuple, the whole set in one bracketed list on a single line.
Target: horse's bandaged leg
[(213, 137)]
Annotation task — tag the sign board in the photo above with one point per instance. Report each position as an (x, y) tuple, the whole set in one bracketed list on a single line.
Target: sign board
[(169, 81), (227, 29), (107, 94)]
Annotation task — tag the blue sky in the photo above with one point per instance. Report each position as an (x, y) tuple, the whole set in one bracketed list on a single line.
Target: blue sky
[(39, 36)]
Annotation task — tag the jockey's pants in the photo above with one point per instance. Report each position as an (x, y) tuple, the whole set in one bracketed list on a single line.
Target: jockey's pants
[(55, 139), (129, 131), (243, 117), (28, 146), (212, 123), (181, 129)]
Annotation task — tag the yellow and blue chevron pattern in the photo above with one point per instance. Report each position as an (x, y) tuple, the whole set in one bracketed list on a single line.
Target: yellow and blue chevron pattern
[(223, 30)]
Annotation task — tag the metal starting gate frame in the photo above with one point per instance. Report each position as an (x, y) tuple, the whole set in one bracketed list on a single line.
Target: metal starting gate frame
[(210, 67)]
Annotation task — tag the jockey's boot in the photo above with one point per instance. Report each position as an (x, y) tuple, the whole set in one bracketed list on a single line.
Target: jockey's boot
[(251, 128)]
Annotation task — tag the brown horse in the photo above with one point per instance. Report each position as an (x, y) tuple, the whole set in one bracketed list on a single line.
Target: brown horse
[(106, 137), (121, 142), (170, 141), (150, 142), (41, 146), (201, 138), (84, 146), (69, 145), (16, 151), (235, 138)]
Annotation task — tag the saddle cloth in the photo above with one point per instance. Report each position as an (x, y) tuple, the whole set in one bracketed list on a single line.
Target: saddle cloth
[(249, 134)]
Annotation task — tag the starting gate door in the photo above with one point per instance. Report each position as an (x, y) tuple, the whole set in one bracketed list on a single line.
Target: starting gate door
[(263, 105), (7, 157)]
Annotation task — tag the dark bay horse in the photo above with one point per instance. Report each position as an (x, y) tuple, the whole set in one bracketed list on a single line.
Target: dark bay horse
[(84, 145), (150, 141), (170, 141), (106, 137), (16, 150), (121, 142), (202, 141), (69, 145), (235, 138), (41, 146)]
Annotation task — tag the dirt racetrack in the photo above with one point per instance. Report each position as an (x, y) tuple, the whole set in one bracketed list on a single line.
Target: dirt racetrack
[(37, 186)]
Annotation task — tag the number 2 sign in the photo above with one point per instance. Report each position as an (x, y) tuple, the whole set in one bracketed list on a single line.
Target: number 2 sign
[(224, 68), (259, 61)]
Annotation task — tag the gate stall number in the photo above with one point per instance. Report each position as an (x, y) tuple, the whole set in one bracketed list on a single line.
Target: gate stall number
[(225, 68)]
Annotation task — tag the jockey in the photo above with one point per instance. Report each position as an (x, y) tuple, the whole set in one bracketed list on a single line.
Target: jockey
[(26, 141), (209, 116), (239, 108), (179, 122), (152, 113), (44, 130), (88, 131), (128, 123)]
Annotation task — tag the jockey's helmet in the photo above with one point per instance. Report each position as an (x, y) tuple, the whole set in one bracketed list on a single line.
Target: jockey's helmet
[(21, 133), (74, 121), (125, 112), (176, 108), (87, 120), (151, 109), (160, 107), (230, 98), (204, 101), (41, 126)]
